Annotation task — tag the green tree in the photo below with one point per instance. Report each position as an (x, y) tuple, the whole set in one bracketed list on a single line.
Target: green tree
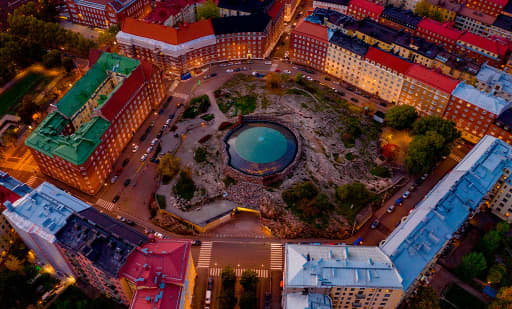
[(424, 298), (472, 265), (249, 280), (227, 299), (168, 167), (304, 190), (401, 117), (248, 300), (354, 194), (185, 187), (228, 277), (200, 155), (52, 59), (495, 273), (273, 80), (502, 227), (424, 152), (68, 64), (207, 10), (109, 36), (490, 242), (446, 128)]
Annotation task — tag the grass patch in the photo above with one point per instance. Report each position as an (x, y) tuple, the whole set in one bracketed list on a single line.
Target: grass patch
[(462, 299), (12, 97), (244, 105), (208, 117), (197, 106), (161, 201), (229, 181), (380, 171), (349, 156)]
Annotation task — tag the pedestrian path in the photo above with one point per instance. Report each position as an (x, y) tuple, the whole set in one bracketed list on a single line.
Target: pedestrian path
[(456, 157), (276, 256), (217, 271), (205, 254), (180, 95), (32, 180), (105, 204)]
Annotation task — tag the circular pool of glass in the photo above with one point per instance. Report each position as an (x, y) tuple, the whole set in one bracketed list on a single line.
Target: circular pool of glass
[(261, 148)]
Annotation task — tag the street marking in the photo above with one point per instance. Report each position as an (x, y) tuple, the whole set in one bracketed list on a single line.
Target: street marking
[(140, 167), (217, 272), (32, 180), (276, 256), (205, 255), (105, 204)]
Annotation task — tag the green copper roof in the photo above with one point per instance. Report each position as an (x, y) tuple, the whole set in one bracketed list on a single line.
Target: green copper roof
[(75, 148), (84, 88)]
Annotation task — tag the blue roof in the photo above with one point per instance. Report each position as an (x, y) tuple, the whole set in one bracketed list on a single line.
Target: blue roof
[(14, 184), (46, 207), (307, 301), (415, 242), (482, 99)]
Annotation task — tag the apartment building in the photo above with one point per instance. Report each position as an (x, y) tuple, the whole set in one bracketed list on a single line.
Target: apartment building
[(308, 45), (448, 9), (103, 14), (474, 21), (345, 57), (344, 276), (436, 32), (376, 34), (173, 13), (483, 50), (416, 49), (495, 81), (399, 19), (80, 140), (334, 5), (502, 27), (244, 8), (428, 91), (161, 275), (474, 111), (455, 65), (489, 7), (383, 74), (360, 9)]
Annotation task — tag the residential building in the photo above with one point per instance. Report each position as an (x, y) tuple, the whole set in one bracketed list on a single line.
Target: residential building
[(7, 7), (489, 7), (308, 45), (97, 247), (448, 9), (276, 14), (474, 111), (474, 21), (334, 5), (345, 57), (456, 65), (337, 21), (408, 4), (241, 8), (502, 129), (103, 14), (242, 37), (351, 276), (383, 74), (307, 301), (416, 49), (173, 13), (483, 50), (428, 91), (161, 275), (436, 32), (502, 27), (500, 202), (38, 216), (495, 81), (84, 134), (11, 190), (400, 19), (376, 34), (360, 9)]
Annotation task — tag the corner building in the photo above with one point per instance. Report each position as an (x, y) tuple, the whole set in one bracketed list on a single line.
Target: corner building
[(308, 45), (79, 141)]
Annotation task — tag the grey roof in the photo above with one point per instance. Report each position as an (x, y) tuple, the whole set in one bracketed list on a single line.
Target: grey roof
[(106, 242), (352, 44), (503, 22), (378, 31), (234, 24), (419, 45), (248, 6), (508, 7), (405, 18)]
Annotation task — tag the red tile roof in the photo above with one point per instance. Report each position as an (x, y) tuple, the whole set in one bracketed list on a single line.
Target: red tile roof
[(493, 46), (431, 78), (275, 9), (388, 60), (167, 34), (312, 30), (443, 30), (369, 6)]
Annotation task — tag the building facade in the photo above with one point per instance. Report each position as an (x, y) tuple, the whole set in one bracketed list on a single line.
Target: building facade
[(491, 7), (80, 140), (473, 21), (308, 45), (495, 81), (334, 5), (360, 9), (400, 19), (103, 14), (436, 32)]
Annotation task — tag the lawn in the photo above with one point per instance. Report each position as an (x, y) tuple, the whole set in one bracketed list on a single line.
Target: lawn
[(457, 296), (12, 97)]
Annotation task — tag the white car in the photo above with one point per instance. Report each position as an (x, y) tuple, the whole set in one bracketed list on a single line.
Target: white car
[(135, 148), (390, 209), (159, 235), (229, 71), (154, 141), (287, 72), (268, 62), (168, 121), (144, 157), (295, 68), (231, 63), (309, 78), (406, 194), (238, 62), (150, 148)]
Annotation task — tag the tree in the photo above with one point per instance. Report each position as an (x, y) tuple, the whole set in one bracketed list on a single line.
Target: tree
[(68, 64), (52, 59), (249, 280), (273, 80), (108, 37), (168, 167), (446, 128), (424, 298), (304, 190), (228, 277), (13, 263), (299, 78), (227, 299), (505, 294), (424, 152), (502, 227), (472, 265), (185, 186), (207, 10), (490, 242), (495, 273), (248, 300), (353, 194), (401, 117), (200, 155), (27, 109)]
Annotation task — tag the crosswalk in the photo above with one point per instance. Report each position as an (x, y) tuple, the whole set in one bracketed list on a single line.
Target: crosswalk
[(105, 204), (205, 254), (217, 271), (276, 256), (32, 180)]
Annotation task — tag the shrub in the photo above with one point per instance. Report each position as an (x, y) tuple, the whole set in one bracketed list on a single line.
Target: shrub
[(185, 187), (229, 181), (225, 125), (161, 201), (197, 106), (380, 171), (208, 117), (200, 155)]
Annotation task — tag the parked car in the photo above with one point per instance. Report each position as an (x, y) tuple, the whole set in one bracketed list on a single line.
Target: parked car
[(168, 121), (210, 283), (150, 148), (130, 222), (143, 137), (327, 78), (287, 72), (277, 70), (354, 100), (267, 300), (122, 219), (418, 182), (115, 199), (341, 93), (154, 141), (383, 104), (399, 201), (161, 111), (196, 243), (229, 71), (412, 188), (406, 194), (159, 135), (424, 177), (125, 162), (171, 116), (159, 235), (135, 148), (144, 157), (213, 74), (152, 124), (268, 62), (114, 179), (390, 209), (375, 224), (127, 182)]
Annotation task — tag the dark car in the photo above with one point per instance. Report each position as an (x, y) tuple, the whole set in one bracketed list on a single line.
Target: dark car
[(399, 201), (196, 243), (125, 162), (418, 181), (383, 104), (115, 199), (354, 100), (213, 74), (159, 135), (161, 111), (327, 78), (375, 224), (171, 116), (341, 93), (237, 70), (267, 300), (130, 222), (127, 182), (143, 137), (210, 283)]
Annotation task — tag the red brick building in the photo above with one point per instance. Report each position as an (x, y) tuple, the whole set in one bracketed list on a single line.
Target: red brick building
[(79, 141), (308, 45), (103, 13), (360, 9), (483, 49), (436, 32), (489, 7)]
